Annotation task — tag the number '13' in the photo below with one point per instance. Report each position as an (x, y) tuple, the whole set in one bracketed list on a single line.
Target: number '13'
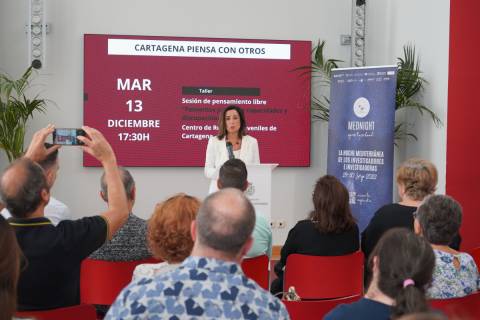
[(134, 105)]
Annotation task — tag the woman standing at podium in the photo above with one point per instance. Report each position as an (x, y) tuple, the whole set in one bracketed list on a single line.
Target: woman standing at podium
[(232, 141)]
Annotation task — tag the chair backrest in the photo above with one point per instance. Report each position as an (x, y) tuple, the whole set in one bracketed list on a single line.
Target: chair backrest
[(101, 281), (315, 309), (324, 277), (80, 312), (475, 253), (257, 269), (465, 308)]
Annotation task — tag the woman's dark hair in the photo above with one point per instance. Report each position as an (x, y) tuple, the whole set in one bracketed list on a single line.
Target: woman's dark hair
[(9, 270), (440, 218), (222, 124), (331, 206), (405, 268)]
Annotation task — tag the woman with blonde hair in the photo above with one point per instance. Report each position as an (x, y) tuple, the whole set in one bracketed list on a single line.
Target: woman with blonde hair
[(416, 179), (168, 234)]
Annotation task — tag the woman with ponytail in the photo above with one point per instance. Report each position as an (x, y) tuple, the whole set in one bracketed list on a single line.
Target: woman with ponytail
[(402, 266)]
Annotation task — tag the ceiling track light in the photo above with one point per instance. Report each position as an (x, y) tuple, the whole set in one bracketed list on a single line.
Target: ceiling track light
[(358, 33), (36, 30)]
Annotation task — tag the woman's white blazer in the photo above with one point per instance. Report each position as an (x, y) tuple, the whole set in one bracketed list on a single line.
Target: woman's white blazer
[(217, 154)]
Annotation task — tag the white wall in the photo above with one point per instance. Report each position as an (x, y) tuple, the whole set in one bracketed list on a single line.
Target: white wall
[(390, 25), (62, 81)]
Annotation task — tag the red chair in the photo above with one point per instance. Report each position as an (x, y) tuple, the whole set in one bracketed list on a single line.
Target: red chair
[(257, 269), (475, 253), (101, 281), (465, 308), (314, 309), (322, 277), (80, 312)]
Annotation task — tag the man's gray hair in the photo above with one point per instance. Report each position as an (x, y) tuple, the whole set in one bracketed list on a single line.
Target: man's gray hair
[(128, 183), (440, 218), (22, 194), (225, 221)]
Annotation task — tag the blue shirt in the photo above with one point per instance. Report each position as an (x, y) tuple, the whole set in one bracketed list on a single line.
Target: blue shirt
[(201, 288), (363, 309)]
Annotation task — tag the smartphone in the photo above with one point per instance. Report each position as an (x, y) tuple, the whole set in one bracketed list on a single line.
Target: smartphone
[(68, 136)]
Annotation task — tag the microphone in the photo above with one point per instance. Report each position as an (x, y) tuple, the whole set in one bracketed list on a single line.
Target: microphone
[(230, 150)]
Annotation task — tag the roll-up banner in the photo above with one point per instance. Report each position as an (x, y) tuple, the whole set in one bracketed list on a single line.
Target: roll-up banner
[(360, 136)]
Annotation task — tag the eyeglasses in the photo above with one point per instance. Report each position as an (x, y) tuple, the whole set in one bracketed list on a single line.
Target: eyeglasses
[(415, 214)]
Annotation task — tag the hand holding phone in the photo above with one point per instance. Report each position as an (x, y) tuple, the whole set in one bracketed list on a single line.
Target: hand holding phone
[(97, 146), (36, 150), (68, 136)]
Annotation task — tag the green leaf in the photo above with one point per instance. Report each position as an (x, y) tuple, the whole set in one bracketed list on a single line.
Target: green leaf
[(15, 111), (410, 85)]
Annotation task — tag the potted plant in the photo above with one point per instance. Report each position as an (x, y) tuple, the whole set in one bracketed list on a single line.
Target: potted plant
[(15, 110), (409, 84)]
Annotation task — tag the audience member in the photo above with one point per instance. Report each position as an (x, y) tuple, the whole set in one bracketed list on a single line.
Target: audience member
[(50, 277), (9, 270), (129, 243), (402, 266), (438, 220), (416, 179), (210, 283), (233, 174), (329, 231), (55, 210), (169, 235)]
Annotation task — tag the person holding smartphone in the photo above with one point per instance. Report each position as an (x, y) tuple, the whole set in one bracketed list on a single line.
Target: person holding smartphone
[(51, 278), (232, 141)]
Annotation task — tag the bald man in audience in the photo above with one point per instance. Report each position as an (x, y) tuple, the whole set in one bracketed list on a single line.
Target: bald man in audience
[(50, 277), (55, 210), (210, 283)]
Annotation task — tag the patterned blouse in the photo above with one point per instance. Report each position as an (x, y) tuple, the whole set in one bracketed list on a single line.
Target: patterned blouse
[(201, 288), (449, 282)]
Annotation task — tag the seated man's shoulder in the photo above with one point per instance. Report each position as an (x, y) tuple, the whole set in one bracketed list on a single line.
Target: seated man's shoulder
[(192, 290), (57, 204), (57, 211), (261, 221), (134, 217), (135, 222), (128, 243)]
